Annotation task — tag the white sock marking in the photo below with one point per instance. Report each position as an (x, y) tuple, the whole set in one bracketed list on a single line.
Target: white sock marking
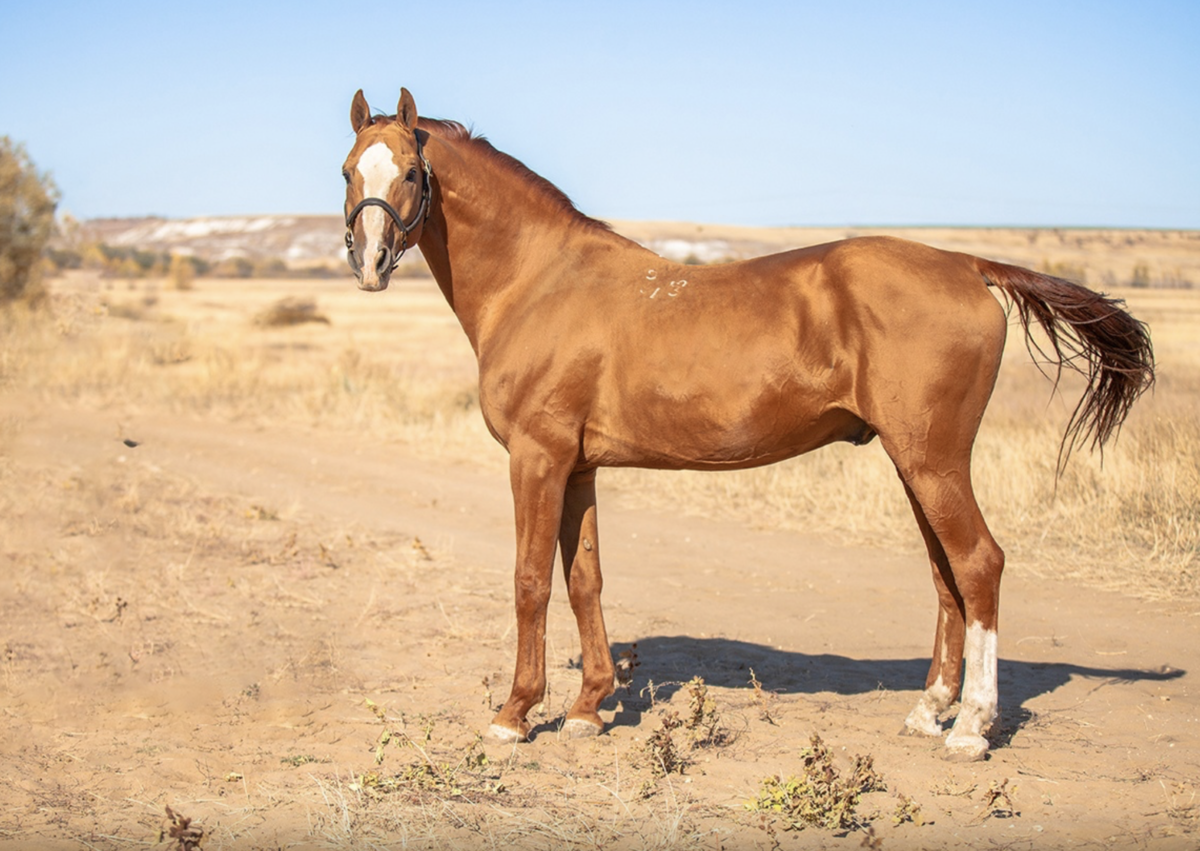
[(979, 696), (979, 682), (924, 717)]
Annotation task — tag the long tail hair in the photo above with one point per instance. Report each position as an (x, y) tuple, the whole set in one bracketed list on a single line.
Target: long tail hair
[(1089, 333)]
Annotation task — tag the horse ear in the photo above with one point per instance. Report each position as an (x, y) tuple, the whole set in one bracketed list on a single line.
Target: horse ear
[(406, 110), (360, 113)]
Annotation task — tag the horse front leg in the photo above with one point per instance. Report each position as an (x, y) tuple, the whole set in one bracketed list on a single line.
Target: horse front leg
[(579, 538), (538, 483)]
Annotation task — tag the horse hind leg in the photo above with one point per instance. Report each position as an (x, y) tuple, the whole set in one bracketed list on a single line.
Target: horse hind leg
[(975, 563), (944, 680), (579, 541)]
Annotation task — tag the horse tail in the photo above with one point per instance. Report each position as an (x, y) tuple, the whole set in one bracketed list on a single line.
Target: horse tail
[(1089, 333)]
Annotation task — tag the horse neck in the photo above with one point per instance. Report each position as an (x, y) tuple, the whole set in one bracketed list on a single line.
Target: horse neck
[(492, 234)]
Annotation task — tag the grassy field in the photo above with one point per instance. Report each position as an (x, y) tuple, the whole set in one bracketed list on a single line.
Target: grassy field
[(397, 366)]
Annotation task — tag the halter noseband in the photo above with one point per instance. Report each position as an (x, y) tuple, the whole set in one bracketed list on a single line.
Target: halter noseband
[(419, 217)]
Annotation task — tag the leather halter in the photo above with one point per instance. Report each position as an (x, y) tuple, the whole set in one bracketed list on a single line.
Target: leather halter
[(418, 217)]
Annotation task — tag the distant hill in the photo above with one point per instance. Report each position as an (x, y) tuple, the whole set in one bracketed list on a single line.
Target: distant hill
[(1099, 257), (300, 241)]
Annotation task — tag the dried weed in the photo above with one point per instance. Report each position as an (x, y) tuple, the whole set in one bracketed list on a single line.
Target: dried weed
[(188, 836), (997, 801), (762, 699), (439, 770), (820, 796), (703, 723), (907, 811), (664, 755), (627, 662)]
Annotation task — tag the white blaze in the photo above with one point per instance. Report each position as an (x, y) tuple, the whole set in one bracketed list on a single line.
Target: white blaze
[(378, 171)]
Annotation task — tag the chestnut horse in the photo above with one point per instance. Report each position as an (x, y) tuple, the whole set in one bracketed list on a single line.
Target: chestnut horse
[(595, 352)]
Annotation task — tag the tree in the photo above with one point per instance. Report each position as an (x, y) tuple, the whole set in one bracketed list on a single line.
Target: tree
[(27, 203)]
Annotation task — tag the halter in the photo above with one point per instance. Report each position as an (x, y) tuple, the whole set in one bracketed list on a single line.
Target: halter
[(418, 218)]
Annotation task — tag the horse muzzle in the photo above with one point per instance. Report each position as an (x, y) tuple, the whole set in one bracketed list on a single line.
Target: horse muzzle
[(371, 277), (374, 277)]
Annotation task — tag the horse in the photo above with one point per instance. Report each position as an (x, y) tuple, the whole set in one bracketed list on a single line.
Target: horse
[(595, 352)]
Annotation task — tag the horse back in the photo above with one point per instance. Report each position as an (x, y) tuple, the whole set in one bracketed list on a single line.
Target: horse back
[(650, 363)]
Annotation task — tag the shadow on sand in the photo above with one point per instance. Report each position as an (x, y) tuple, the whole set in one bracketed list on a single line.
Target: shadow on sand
[(671, 660)]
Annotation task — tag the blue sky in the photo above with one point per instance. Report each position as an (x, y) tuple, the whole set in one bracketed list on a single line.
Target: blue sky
[(787, 113)]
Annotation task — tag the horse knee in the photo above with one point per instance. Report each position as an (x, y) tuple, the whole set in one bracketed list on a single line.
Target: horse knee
[(584, 588), (532, 594)]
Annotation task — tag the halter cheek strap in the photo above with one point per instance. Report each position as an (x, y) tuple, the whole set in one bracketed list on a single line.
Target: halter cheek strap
[(405, 228)]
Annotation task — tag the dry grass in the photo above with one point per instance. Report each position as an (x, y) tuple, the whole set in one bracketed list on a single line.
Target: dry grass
[(228, 357), (399, 368)]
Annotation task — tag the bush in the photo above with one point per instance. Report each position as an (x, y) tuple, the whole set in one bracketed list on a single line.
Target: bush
[(182, 272), (234, 267), (27, 203)]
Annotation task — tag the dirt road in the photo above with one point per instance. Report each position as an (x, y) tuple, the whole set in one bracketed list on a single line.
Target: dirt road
[(293, 638)]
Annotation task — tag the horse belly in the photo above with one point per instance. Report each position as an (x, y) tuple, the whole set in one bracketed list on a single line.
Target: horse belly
[(677, 429)]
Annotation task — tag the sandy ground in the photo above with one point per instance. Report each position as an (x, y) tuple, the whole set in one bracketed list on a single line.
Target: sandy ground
[(293, 638)]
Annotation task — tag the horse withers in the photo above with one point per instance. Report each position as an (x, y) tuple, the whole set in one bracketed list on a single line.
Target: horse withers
[(595, 352)]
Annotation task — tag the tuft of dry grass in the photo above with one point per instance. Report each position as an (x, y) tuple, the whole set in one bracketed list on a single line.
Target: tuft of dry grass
[(290, 310)]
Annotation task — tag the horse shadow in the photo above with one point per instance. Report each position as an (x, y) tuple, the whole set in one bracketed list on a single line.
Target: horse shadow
[(670, 661)]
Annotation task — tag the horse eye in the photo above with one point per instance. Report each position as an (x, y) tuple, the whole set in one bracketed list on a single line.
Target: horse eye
[(411, 177), (346, 176)]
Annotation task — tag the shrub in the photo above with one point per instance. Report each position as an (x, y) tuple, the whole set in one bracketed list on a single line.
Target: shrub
[(182, 272), (27, 203), (234, 267), (290, 310)]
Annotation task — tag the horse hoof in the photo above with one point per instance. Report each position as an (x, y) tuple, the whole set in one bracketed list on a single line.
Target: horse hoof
[(921, 726), (578, 728), (965, 748), (505, 736), (922, 721)]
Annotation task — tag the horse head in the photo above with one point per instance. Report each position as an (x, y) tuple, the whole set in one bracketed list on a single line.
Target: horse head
[(387, 190)]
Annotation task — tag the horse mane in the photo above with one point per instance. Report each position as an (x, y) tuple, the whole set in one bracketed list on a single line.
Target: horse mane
[(453, 131)]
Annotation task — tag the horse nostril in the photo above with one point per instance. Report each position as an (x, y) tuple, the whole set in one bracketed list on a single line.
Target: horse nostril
[(383, 260)]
